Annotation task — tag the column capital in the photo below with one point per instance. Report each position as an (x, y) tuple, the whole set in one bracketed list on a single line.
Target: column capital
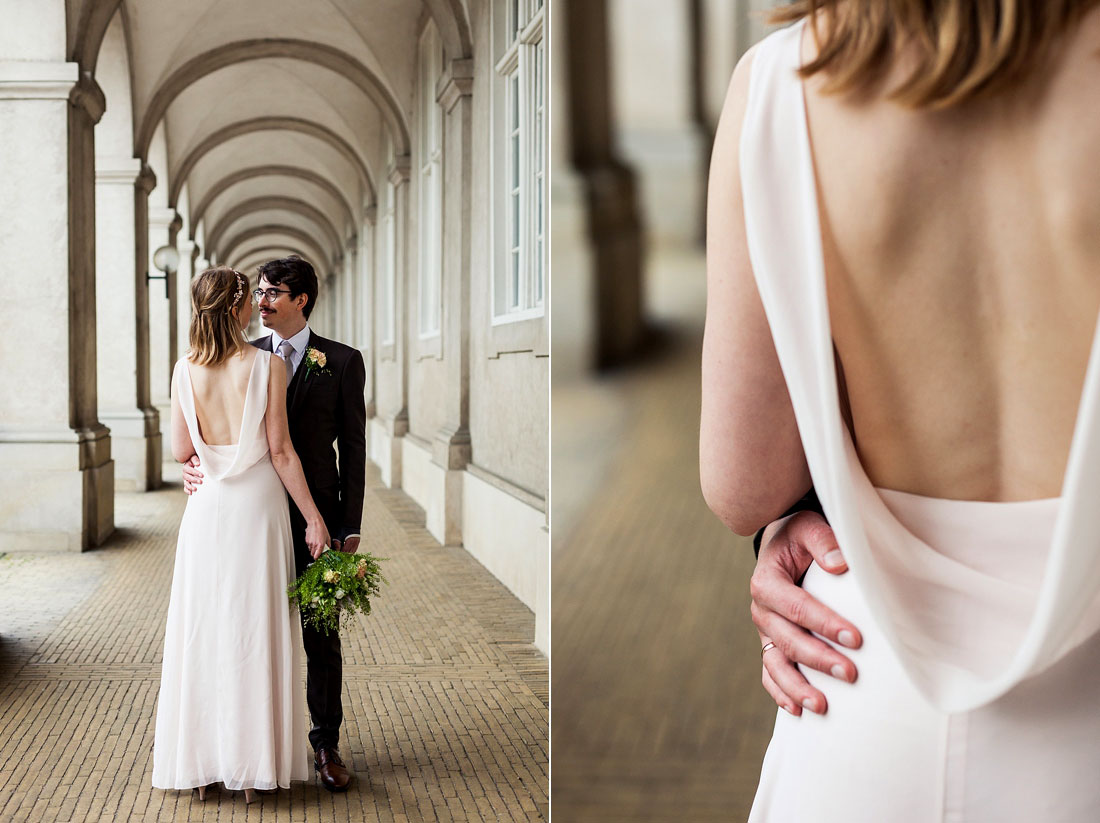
[(370, 214), (455, 83), (398, 172), (117, 170), (163, 218), (146, 181), (37, 79), (87, 95), (352, 242)]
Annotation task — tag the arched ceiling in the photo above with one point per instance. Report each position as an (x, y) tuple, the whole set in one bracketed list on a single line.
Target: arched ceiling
[(257, 252), (275, 114), (278, 232)]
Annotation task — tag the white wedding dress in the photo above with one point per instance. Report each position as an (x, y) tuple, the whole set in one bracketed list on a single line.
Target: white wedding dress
[(231, 706), (976, 700)]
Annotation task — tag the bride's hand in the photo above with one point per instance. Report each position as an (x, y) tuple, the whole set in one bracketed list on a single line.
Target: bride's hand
[(316, 537), (786, 615)]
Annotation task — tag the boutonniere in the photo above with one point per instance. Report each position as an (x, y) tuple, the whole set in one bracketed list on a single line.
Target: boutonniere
[(316, 362)]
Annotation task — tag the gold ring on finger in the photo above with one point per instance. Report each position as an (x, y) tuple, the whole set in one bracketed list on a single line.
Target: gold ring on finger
[(767, 646)]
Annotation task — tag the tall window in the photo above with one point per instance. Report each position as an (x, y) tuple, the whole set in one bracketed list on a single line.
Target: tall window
[(519, 283), (430, 149)]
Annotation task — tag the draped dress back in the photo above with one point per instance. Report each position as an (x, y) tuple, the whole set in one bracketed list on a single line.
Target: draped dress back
[(231, 707), (981, 655)]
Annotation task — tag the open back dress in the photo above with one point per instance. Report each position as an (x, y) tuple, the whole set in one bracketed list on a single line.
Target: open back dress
[(231, 708), (979, 673)]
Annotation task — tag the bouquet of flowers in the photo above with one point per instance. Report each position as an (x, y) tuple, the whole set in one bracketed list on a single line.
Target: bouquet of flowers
[(334, 587)]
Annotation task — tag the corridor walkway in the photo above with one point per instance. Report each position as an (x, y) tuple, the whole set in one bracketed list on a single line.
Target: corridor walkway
[(659, 714), (445, 699)]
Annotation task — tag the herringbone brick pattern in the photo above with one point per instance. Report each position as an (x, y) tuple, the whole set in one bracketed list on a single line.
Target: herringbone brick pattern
[(659, 715), (445, 700)]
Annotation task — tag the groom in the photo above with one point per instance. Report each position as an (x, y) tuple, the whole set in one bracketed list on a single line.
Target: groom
[(324, 399)]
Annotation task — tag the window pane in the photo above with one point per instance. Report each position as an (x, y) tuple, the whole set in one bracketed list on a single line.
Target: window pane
[(514, 302)]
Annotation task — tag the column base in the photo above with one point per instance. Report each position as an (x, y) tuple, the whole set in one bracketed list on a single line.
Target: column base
[(384, 446), (436, 489), (137, 448), (57, 492)]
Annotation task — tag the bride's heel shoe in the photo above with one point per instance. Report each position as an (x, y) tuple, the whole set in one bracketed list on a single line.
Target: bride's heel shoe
[(202, 792), (249, 796)]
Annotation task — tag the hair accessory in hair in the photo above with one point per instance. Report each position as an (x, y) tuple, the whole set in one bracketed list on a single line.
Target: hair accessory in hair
[(241, 282)]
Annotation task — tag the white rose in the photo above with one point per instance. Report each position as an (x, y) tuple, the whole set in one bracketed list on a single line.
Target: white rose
[(339, 593)]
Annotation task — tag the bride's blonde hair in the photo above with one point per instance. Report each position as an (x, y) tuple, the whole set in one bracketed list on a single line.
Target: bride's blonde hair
[(215, 333), (963, 48)]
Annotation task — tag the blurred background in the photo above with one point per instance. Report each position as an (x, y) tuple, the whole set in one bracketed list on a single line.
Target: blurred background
[(658, 711)]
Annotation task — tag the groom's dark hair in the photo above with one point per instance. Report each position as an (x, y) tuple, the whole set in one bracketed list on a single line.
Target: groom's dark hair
[(294, 273)]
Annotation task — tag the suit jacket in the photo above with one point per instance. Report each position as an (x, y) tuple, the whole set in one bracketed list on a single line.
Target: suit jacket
[(324, 408)]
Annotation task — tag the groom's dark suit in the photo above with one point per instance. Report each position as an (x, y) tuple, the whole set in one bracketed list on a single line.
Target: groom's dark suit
[(323, 408)]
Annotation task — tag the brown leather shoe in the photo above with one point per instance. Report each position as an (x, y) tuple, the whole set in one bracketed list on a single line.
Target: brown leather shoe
[(330, 767)]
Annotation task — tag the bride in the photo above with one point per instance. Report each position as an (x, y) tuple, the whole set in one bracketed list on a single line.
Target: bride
[(903, 290), (231, 708)]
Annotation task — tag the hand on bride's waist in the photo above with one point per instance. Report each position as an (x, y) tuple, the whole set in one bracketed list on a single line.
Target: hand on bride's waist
[(787, 616)]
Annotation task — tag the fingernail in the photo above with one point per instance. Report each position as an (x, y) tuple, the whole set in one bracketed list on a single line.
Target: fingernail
[(838, 672), (834, 558), (846, 638), (810, 704)]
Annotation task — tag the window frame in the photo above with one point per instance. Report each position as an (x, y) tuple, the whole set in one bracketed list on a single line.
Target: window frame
[(520, 132), (430, 148)]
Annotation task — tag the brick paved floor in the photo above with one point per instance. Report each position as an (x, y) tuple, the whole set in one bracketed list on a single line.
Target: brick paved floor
[(445, 698), (659, 714)]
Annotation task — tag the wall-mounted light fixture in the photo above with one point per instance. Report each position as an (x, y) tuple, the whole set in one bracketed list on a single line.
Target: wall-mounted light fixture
[(167, 259)]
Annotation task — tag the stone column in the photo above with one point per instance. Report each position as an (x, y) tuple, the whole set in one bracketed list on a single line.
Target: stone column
[(397, 426), (189, 252), (348, 327), (161, 300), (57, 487), (614, 227), (326, 308), (122, 337), (366, 305), (172, 278), (451, 444)]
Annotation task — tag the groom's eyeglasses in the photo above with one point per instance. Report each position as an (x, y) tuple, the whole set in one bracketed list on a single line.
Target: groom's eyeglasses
[(271, 294)]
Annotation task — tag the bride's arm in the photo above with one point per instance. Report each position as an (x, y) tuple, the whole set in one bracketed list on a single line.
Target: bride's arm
[(286, 462), (182, 447), (752, 466)]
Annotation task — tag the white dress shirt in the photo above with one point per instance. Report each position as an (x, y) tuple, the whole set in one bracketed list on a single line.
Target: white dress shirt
[(299, 342)]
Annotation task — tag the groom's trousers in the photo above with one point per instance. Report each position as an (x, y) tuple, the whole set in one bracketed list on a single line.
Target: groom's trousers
[(324, 663)]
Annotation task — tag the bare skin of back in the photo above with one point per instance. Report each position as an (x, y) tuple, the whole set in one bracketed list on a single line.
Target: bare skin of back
[(219, 396), (962, 252)]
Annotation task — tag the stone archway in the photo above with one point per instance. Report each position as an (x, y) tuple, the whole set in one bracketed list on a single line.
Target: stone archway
[(230, 180), (290, 204)]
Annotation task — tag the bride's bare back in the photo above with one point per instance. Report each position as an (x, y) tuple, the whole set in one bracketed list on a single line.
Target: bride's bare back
[(962, 259), (220, 393)]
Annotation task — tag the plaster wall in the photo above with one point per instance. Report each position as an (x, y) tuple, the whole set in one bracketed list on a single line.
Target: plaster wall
[(510, 538), (33, 30), (509, 378)]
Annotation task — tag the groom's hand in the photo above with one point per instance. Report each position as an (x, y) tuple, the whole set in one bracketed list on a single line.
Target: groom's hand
[(784, 614), (351, 545), (192, 477)]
